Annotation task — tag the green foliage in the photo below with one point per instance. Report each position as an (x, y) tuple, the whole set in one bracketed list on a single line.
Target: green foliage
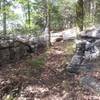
[(80, 14), (37, 63), (59, 12), (34, 66), (88, 21), (67, 10), (97, 15), (35, 14)]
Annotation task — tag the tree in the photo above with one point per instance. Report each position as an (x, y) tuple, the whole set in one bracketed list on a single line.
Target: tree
[(7, 15), (4, 17), (97, 14), (80, 14), (89, 8), (28, 7), (48, 21)]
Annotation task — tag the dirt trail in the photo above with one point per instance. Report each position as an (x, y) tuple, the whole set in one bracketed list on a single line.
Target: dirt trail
[(43, 79)]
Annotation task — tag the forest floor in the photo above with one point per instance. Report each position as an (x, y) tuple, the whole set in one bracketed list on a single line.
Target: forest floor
[(40, 77)]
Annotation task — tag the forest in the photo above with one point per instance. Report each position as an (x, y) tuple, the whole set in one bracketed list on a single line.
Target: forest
[(49, 49)]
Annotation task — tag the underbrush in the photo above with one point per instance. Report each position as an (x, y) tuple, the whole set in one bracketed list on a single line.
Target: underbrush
[(34, 67), (69, 47)]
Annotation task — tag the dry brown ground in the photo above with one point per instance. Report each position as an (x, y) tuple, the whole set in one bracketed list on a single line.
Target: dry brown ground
[(30, 79)]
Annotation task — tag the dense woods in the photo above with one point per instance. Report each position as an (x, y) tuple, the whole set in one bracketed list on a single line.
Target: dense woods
[(34, 16), (49, 49)]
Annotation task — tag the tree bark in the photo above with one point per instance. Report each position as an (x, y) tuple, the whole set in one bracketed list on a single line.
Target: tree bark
[(4, 17), (29, 21), (48, 23), (80, 14)]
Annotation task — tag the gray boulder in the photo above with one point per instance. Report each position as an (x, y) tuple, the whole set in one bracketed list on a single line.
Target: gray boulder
[(90, 83), (94, 32)]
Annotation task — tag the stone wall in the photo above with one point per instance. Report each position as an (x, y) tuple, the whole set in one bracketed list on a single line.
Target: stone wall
[(12, 50)]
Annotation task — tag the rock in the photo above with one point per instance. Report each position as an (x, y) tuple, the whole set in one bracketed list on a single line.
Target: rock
[(69, 34), (75, 63), (87, 68), (90, 83), (4, 56), (17, 47), (94, 32)]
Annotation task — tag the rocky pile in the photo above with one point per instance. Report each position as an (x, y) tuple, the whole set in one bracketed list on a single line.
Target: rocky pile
[(16, 48)]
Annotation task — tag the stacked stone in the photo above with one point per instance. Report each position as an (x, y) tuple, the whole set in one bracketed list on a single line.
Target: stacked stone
[(11, 50), (82, 62), (14, 49)]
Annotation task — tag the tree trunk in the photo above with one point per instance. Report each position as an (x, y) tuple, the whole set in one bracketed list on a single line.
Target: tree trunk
[(97, 14), (80, 14), (29, 21), (93, 3), (4, 17), (48, 22)]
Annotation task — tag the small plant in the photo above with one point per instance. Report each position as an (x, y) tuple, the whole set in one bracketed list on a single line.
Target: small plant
[(69, 47), (36, 63), (34, 66)]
